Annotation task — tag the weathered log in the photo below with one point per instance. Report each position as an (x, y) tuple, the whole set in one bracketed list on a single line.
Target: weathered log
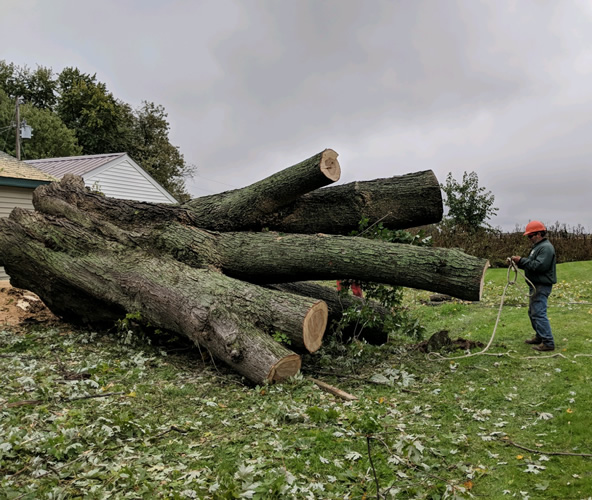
[(337, 303), (398, 202), (272, 258), (93, 274), (96, 259), (245, 208)]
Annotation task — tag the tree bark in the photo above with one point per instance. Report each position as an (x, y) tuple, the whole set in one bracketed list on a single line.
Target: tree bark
[(270, 257), (83, 275), (243, 209), (398, 202), (96, 259)]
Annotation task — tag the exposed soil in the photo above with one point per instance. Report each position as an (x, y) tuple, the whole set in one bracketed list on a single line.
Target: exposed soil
[(441, 341), (18, 306)]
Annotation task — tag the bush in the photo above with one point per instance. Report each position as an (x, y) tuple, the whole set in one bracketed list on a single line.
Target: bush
[(571, 244)]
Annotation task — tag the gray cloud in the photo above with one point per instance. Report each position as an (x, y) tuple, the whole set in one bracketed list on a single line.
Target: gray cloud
[(500, 88)]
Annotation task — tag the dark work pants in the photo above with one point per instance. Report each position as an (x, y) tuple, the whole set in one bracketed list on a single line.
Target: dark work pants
[(537, 312)]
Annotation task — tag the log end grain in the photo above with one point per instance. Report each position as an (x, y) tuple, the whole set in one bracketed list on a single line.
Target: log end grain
[(329, 165), (485, 268), (314, 326), (286, 367)]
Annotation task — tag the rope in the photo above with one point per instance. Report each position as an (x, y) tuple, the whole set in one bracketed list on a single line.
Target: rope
[(435, 356)]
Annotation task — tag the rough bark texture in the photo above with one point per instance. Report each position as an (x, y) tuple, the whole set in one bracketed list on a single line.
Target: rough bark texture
[(271, 257), (83, 275), (95, 259), (398, 202), (244, 209)]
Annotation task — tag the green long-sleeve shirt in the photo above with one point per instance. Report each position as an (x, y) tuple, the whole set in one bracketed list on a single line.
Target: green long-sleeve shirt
[(539, 266)]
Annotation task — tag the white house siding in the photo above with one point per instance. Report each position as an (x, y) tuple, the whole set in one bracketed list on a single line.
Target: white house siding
[(11, 197), (122, 180)]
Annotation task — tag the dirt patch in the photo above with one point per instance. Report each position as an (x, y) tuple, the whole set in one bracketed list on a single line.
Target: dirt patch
[(441, 341), (19, 306)]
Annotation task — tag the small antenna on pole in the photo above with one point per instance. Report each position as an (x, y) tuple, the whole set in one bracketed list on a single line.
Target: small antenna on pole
[(18, 130)]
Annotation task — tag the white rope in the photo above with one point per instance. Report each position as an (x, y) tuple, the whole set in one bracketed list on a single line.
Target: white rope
[(435, 356)]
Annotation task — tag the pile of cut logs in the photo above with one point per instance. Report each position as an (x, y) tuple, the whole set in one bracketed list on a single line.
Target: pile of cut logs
[(204, 269)]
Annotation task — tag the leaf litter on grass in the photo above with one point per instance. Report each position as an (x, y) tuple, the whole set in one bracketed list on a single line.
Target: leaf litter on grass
[(174, 426)]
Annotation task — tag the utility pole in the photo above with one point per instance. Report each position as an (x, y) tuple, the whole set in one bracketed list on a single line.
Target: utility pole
[(18, 130)]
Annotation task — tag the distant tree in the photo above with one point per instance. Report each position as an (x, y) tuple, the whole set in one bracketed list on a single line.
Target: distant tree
[(102, 123), (469, 205), (151, 148), (37, 87), (73, 113), (50, 138)]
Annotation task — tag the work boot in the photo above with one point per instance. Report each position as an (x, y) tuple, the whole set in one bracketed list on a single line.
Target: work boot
[(534, 340), (543, 348)]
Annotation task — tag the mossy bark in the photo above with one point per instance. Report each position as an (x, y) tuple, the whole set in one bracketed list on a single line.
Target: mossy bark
[(95, 259), (398, 202), (84, 276)]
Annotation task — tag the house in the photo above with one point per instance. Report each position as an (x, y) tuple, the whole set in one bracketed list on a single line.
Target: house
[(115, 175), (17, 183)]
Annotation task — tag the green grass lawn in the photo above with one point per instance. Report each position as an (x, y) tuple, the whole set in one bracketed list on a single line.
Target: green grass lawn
[(84, 415)]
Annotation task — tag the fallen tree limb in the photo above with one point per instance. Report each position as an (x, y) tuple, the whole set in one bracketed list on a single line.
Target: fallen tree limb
[(541, 452), (334, 390), (398, 202)]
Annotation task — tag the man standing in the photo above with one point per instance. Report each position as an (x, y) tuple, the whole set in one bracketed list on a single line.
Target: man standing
[(539, 268)]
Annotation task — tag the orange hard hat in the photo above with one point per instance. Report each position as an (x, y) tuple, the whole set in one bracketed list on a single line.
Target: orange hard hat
[(534, 226)]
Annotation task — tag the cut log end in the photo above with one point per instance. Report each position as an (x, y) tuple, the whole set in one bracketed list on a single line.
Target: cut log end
[(330, 166), (485, 268), (314, 326), (285, 368)]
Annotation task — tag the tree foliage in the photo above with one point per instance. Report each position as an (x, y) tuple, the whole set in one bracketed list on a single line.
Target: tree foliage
[(469, 205), (151, 149), (73, 113), (37, 87), (51, 137), (102, 123)]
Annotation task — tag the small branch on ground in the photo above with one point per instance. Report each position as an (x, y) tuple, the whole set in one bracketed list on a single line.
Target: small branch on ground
[(171, 429), (34, 402), (368, 438), (334, 390)]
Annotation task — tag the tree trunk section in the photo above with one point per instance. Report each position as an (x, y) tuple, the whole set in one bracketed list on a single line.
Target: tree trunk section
[(86, 277), (243, 209), (398, 202), (270, 257)]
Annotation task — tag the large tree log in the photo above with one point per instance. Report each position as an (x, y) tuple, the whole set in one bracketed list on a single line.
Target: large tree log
[(397, 202), (93, 274), (95, 259), (271, 258), (245, 208)]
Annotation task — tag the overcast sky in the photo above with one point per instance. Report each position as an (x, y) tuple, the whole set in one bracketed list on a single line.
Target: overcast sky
[(501, 88)]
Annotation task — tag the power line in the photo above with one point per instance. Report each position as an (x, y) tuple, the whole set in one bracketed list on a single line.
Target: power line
[(213, 180)]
